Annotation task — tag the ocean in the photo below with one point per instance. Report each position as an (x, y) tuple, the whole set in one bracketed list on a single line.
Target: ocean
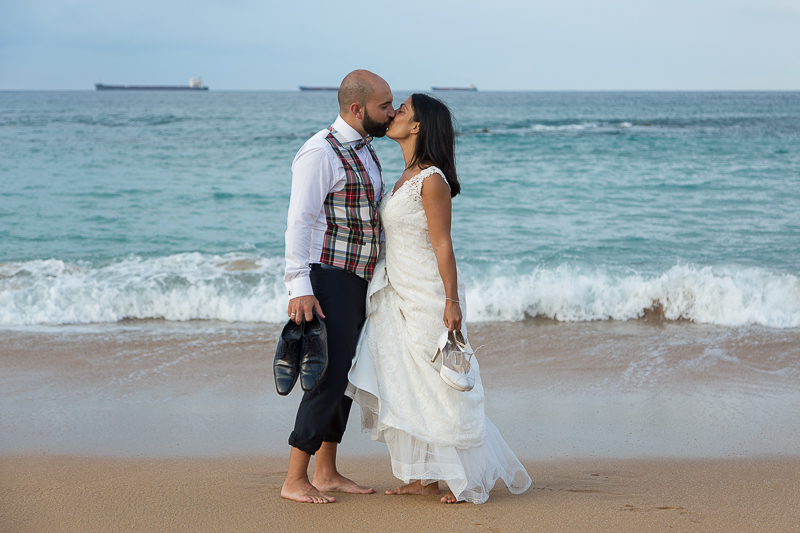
[(632, 263), (576, 206)]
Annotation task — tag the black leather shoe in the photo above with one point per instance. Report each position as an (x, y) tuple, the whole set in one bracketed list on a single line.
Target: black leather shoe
[(287, 358), (314, 358)]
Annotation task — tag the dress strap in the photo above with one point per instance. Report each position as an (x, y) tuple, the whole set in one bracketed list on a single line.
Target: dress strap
[(419, 179)]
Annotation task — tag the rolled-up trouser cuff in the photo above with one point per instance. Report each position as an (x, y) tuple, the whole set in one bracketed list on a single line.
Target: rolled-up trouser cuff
[(305, 445), (311, 446)]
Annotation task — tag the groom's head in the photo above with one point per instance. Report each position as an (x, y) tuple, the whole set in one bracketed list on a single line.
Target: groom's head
[(365, 102)]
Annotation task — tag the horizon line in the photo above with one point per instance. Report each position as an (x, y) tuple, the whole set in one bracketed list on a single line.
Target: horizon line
[(430, 89)]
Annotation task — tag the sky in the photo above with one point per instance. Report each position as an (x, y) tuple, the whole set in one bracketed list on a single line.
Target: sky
[(497, 44)]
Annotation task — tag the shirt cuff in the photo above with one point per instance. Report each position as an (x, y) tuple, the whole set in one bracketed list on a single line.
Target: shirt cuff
[(299, 286)]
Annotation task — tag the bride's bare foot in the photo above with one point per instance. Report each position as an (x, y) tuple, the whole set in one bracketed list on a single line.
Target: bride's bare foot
[(449, 497), (302, 491), (339, 483), (416, 488)]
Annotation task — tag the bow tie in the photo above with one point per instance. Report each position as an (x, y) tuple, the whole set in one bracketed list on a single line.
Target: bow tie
[(363, 142)]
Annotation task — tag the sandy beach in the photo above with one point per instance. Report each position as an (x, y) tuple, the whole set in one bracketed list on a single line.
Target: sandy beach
[(51, 493), (623, 426)]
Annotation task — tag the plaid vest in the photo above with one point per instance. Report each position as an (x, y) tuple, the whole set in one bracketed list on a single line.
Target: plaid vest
[(354, 230)]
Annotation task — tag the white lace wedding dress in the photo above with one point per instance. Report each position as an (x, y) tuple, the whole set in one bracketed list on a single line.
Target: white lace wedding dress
[(434, 433)]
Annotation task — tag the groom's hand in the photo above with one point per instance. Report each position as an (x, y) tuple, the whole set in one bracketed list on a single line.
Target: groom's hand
[(303, 307)]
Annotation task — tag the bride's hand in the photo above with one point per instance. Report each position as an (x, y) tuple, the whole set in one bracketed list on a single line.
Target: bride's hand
[(452, 316)]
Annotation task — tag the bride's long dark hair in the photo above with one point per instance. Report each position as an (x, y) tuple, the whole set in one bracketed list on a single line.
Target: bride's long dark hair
[(436, 140)]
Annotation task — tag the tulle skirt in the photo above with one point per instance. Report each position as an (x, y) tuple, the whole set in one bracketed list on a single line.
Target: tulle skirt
[(433, 432), (470, 473)]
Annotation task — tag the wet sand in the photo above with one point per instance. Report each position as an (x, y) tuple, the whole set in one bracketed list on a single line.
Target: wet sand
[(604, 389), (623, 426)]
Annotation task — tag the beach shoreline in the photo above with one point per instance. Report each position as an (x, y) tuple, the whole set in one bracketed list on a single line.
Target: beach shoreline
[(554, 390), (623, 426)]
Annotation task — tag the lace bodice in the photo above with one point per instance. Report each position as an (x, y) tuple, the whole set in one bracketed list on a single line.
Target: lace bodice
[(402, 211), (415, 182)]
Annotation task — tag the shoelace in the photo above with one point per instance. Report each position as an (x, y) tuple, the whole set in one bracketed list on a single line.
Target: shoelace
[(455, 364)]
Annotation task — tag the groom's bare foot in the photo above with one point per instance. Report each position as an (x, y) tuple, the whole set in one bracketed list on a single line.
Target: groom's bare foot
[(302, 491), (338, 483), (416, 488), (449, 497)]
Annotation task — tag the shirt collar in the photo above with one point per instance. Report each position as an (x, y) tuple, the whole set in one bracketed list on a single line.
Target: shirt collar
[(346, 130)]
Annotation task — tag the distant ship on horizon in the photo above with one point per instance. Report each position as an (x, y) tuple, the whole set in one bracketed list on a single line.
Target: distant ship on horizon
[(317, 88), (470, 88), (195, 84)]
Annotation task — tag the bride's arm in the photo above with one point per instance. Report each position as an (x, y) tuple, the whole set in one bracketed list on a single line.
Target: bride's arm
[(437, 204)]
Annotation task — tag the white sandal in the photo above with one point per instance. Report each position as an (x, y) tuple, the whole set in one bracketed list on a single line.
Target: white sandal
[(456, 368)]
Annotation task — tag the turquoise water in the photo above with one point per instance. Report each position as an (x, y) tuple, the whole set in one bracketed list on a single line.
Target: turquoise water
[(575, 206)]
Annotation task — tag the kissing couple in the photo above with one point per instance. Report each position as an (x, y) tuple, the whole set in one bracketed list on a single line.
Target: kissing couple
[(379, 271)]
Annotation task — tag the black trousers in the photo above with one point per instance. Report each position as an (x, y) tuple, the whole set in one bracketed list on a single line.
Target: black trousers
[(322, 415)]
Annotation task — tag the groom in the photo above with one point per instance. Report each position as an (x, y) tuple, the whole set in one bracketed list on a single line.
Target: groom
[(332, 244)]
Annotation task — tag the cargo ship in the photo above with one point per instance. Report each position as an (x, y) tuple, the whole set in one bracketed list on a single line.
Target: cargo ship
[(470, 88), (312, 88), (195, 84)]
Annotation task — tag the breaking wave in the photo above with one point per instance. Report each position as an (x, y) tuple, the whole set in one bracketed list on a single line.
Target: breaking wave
[(236, 287), (726, 296), (246, 287)]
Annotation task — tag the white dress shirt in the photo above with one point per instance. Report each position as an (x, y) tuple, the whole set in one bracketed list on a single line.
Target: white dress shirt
[(316, 172)]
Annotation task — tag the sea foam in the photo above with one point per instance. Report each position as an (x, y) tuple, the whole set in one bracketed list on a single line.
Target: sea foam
[(722, 296), (245, 287), (236, 287)]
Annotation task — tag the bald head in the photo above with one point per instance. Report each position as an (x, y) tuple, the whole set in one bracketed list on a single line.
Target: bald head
[(365, 103), (359, 87)]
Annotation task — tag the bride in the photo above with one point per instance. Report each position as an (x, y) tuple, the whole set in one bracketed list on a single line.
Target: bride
[(434, 433)]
